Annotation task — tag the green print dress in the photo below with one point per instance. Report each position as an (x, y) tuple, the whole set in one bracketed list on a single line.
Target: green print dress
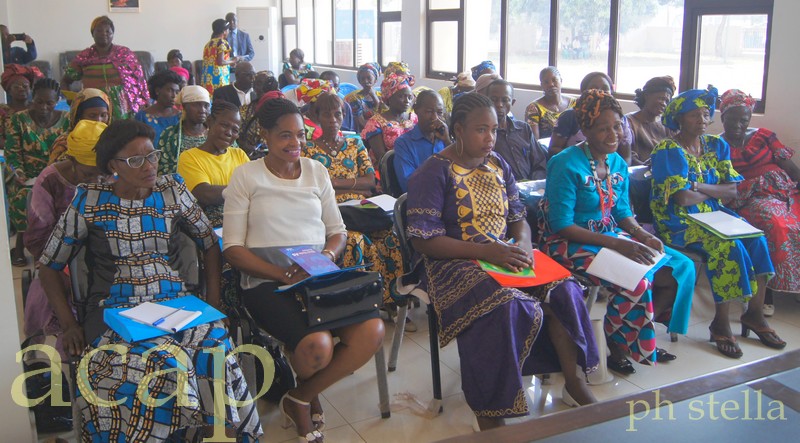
[(27, 149), (732, 264)]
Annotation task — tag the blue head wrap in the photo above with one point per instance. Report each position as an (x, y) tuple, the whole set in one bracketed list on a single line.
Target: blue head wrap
[(482, 66), (689, 101), (373, 68)]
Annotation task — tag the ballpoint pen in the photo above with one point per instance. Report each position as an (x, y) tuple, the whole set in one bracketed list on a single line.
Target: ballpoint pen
[(162, 319), (494, 237)]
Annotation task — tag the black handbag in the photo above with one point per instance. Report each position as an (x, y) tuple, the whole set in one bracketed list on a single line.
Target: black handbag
[(333, 298), (366, 220)]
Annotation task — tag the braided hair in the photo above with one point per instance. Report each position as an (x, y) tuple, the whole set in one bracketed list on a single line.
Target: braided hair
[(221, 107), (465, 104), (44, 84), (591, 104), (272, 110)]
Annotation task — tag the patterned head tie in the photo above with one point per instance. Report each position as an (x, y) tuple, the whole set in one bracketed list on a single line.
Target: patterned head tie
[(688, 101), (591, 104)]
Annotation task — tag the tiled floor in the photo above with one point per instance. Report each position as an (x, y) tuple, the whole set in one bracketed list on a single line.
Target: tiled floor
[(351, 406)]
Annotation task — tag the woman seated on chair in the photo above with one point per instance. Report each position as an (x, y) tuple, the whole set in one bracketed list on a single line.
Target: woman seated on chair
[(463, 205), (692, 173), (383, 128), (191, 130), (353, 178), (129, 228), (586, 208), (286, 200), (51, 195), (89, 104)]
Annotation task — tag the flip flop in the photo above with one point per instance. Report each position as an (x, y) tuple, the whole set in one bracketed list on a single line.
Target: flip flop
[(734, 351)]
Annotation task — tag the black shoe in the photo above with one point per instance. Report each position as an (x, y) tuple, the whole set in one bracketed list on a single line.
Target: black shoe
[(623, 366), (662, 356)]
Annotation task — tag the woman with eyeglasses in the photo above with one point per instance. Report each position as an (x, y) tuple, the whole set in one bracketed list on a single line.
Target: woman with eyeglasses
[(693, 173), (128, 228)]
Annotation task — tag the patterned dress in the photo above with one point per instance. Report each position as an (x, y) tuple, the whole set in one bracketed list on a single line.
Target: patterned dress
[(537, 114), (361, 105), (212, 76), (572, 198), (27, 149), (379, 248), (498, 328), (388, 129), (129, 244), (159, 124), (173, 141), (769, 200), (732, 264), (118, 74)]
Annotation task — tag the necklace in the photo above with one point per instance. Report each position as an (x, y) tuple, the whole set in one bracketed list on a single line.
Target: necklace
[(607, 198), (278, 174), (331, 146)]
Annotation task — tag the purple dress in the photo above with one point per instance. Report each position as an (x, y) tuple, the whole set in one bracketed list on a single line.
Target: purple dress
[(497, 327)]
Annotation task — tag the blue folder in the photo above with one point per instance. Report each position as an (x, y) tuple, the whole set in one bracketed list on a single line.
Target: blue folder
[(132, 330)]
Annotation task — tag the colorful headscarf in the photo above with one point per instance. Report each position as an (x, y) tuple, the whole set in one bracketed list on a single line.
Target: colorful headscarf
[(735, 97), (372, 67), (100, 20), (689, 101), (591, 104), (480, 67), (397, 68), (655, 85), (484, 81), (310, 88), (463, 80), (392, 83), (81, 141), (81, 101), (193, 94), (183, 72), (14, 72)]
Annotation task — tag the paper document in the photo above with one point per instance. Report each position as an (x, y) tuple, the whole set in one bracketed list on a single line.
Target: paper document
[(384, 201), (171, 319), (614, 267), (725, 225)]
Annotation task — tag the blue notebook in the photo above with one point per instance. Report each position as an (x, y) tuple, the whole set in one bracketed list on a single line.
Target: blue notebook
[(132, 330)]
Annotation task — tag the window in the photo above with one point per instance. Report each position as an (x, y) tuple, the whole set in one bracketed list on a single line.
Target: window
[(445, 45), (582, 40), (526, 56), (343, 33)]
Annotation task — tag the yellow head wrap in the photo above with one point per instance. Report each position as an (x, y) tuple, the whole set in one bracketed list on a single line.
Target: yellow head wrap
[(81, 141)]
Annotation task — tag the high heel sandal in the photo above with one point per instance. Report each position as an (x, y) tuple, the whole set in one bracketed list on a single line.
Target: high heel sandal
[(721, 341), (766, 335), (289, 421)]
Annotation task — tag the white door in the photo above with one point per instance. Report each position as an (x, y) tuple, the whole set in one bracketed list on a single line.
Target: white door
[(262, 25)]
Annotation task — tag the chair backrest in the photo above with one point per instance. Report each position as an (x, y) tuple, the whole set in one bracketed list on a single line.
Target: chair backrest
[(389, 181), (406, 250), (147, 62), (185, 64), (639, 192)]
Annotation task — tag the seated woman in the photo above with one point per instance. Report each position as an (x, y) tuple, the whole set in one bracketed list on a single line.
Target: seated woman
[(365, 102), (383, 128), (286, 200), (567, 131), (164, 87), (29, 137), (191, 130), (463, 204), (543, 112), (295, 68), (484, 67), (586, 208), (768, 197), (462, 83), (175, 64), (692, 173), (648, 131), (50, 197), (353, 178), (90, 104), (129, 229)]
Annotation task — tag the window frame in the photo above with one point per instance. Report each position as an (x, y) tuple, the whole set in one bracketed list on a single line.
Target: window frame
[(444, 15)]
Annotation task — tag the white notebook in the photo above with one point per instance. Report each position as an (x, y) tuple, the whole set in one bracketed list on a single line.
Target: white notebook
[(149, 313), (726, 225), (614, 267)]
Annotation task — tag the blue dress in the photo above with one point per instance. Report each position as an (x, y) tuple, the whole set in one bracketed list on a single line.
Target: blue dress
[(159, 124), (571, 198)]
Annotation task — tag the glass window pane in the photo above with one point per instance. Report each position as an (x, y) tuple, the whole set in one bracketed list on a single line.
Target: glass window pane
[(343, 33), (289, 39), (444, 44), (391, 5), (289, 8), (391, 42), (528, 40), (323, 32), (482, 35), (732, 51), (649, 42), (367, 28), (583, 35), (445, 4), (305, 27)]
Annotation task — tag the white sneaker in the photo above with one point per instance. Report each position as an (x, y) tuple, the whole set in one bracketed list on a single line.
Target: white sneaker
[(769, 310)]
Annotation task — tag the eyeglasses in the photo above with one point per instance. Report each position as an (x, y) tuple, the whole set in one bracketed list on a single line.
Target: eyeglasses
[(137, 161)]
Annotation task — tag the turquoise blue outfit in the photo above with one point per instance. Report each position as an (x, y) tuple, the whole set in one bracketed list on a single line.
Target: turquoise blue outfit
[(572, 198), (159, 124)]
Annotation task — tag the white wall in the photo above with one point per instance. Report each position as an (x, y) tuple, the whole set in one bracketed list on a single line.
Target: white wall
[(59, 25)]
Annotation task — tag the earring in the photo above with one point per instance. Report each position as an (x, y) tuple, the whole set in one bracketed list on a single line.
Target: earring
[(459, 143), (115, 176)]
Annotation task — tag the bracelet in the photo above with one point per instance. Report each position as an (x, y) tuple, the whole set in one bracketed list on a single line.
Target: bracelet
[(694, 186), (635, 229), (330, 254)]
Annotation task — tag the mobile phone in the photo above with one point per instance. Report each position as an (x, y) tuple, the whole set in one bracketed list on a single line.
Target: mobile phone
[(440, 130), (18, 37)]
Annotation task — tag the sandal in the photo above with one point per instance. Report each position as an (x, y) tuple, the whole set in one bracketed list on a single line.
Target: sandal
[(623, 366), (288, 421), (662, 356), (317, 419), (766, 335), (727, 346), (18, 260)]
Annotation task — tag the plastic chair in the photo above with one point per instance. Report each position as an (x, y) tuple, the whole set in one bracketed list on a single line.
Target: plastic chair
[(389, 182), (346, 88)]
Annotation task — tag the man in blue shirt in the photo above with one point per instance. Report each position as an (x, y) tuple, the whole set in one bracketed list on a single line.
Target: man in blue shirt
[(428, 137), (17, 55), (515, 140)]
